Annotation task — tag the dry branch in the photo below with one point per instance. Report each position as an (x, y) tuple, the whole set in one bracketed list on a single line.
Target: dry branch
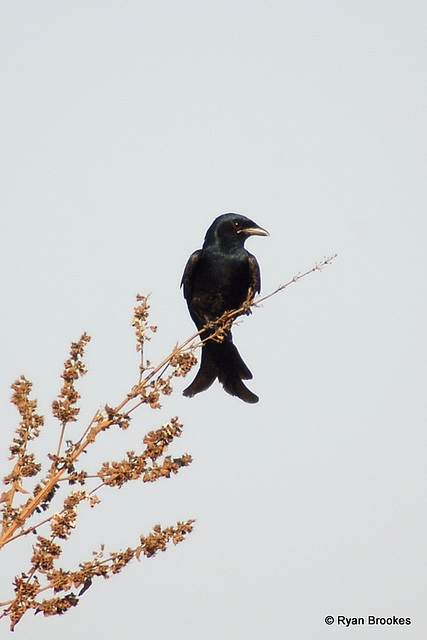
[(150, 465)]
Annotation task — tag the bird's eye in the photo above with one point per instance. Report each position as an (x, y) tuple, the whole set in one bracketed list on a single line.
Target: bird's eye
[(237, 224)]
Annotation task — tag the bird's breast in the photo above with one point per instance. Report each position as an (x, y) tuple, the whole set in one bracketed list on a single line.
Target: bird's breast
[(219, 285)]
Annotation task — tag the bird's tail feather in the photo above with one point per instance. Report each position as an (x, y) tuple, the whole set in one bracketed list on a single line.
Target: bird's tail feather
[(223, 361), (205, 375)]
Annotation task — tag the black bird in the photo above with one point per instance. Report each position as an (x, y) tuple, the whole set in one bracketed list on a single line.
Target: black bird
[(218, 278)]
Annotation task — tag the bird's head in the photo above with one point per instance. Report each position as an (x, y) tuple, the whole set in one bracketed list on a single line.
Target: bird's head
[(231, 230)]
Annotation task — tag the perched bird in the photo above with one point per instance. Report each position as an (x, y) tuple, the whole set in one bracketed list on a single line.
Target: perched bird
[(217, 278)]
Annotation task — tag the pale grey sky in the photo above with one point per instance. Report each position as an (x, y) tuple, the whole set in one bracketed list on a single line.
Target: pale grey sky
[(127, 127)]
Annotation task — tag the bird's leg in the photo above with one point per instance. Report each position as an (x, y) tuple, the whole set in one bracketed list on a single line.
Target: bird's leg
[(246, 305)]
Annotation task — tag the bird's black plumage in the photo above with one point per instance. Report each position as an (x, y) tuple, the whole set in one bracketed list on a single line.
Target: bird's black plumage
[(218, 278)]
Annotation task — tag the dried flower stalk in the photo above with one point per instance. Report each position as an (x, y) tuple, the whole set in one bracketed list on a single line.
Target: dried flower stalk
[(150, 465)]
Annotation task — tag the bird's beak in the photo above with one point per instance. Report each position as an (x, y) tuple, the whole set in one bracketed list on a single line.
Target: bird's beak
[(254, 231)]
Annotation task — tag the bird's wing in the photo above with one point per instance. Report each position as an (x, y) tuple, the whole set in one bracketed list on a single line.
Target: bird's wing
[(255, 276), (188, 275)]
